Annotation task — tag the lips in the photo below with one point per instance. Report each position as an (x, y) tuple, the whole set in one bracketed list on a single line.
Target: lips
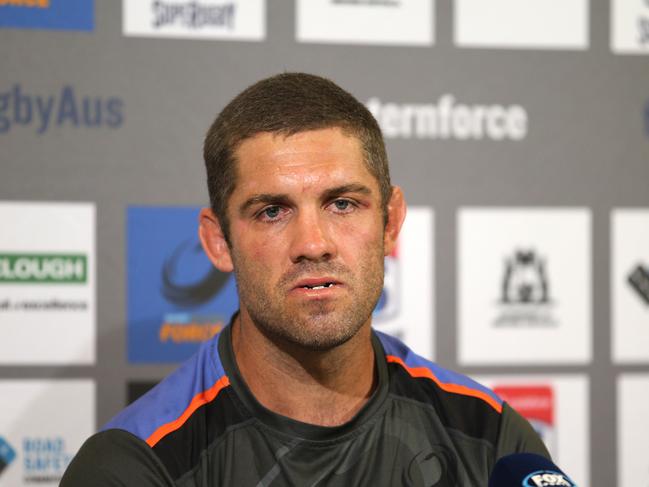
[(317, 283)]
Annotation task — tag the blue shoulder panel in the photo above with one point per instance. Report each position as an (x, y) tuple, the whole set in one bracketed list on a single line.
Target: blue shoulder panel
[(170, 398), (395, 347)]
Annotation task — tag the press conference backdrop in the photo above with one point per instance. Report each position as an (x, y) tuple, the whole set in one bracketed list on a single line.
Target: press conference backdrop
[(519, 131)]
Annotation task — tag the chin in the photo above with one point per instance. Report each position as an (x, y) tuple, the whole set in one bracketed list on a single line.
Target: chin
[(331, 338), (315, 333)]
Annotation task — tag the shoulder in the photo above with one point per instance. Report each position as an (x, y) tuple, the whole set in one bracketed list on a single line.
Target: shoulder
[(399, 356), (172, 402), (460, 403), (115, 458), (185, 413)]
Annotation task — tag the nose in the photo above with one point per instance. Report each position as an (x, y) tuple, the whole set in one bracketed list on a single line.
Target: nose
[(311, 238)]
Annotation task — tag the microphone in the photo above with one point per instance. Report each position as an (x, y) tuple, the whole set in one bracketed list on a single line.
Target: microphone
[(527, 470)]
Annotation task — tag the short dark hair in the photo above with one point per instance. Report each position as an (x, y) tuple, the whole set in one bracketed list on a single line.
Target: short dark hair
[(287, 104)]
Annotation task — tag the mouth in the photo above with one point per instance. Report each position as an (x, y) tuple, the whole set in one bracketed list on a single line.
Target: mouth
[(320, 286), (317, 284)]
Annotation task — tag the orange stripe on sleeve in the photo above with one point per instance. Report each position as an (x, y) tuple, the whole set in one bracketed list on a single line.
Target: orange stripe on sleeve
[(453, 388), (199, 399)]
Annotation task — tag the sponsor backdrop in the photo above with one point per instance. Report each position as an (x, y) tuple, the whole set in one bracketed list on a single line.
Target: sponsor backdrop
[(522, 150)]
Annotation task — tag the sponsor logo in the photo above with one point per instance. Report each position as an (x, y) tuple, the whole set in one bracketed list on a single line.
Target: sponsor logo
[(643, 25), (65, 109), (498, 24), (26, 3), (44, 459), (630, 26), (47, 14), (43, 268), (404, 308), (371, 3), (384, 22), (187, 294), (177, 299), (525, 295), (536, 404), (448, 119), (182, 327), (643, 31), (193, 15), (47, 292), (437, 464), (7, 454), (208, 19), (388, 305), (546, 478), (639, 281)]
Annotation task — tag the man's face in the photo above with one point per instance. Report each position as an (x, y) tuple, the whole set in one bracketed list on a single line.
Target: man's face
[(307, 236)]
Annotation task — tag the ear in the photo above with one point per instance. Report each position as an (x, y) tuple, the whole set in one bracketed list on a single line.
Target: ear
[(213, 240), (396, 215)]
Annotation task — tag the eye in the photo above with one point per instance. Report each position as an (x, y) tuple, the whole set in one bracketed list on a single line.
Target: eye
[(343, 206), (270, 213)]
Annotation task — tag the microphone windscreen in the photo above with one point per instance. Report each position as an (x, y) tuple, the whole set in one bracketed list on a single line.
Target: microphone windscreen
[(527, 470)]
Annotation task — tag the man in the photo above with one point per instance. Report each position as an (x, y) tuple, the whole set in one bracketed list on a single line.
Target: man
[(298, 389)]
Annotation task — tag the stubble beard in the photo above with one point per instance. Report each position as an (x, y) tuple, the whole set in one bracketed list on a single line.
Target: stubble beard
[(313, 325)]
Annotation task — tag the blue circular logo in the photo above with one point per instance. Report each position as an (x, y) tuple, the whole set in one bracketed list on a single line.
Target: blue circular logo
[(547, 478)]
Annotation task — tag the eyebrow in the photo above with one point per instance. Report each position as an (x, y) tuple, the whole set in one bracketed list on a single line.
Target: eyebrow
[(282, 198), (346, 188)]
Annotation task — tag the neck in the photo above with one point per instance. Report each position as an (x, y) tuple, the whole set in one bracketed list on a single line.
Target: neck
[(324, 388)]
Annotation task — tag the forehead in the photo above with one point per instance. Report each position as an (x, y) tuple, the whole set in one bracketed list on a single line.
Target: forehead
[(277, 163)]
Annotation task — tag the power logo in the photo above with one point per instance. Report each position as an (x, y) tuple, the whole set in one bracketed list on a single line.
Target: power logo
[(7, 454), (177, 299), (48, 14), (65, 109), (26, 3)]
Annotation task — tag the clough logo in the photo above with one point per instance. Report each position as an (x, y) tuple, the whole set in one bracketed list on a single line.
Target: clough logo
[(448, 119), (194, 15), (64, 109), (43, 268)]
